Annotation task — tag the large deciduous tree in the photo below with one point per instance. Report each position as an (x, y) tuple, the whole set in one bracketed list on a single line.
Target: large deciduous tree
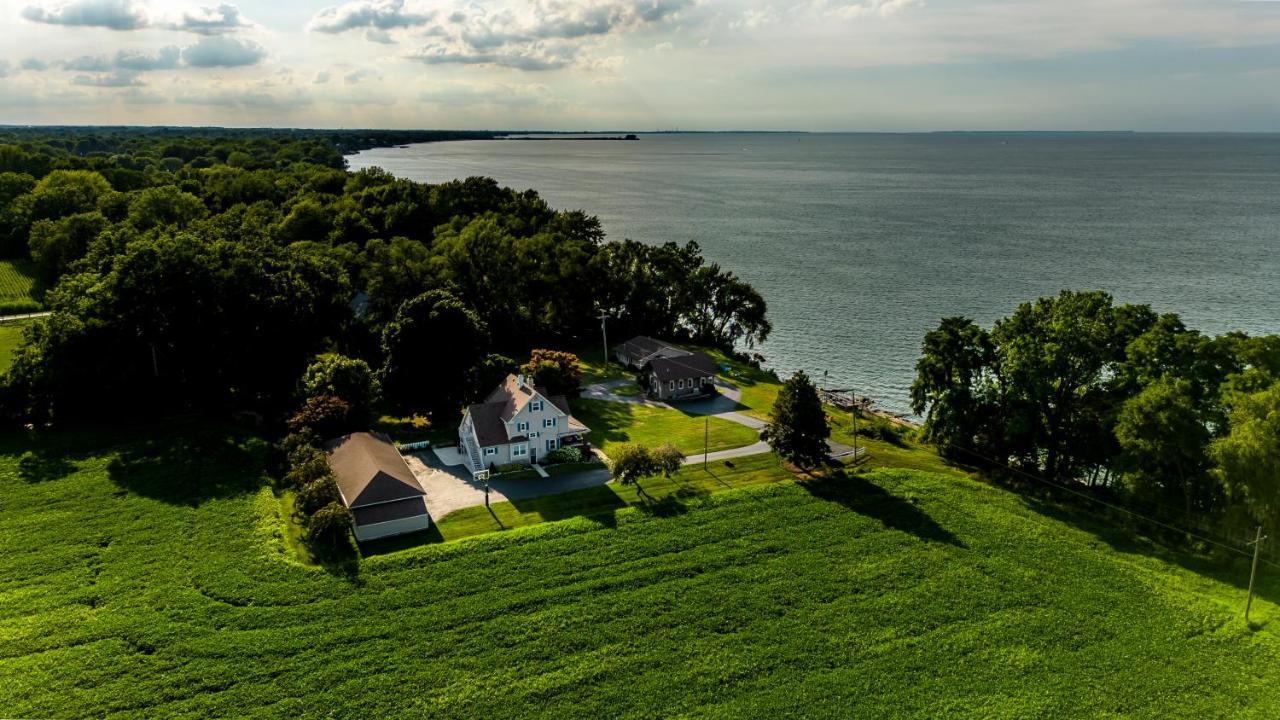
[(953, 390), (432, 347)]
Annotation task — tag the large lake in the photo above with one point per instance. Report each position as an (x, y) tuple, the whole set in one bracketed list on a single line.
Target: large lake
[(860, 243)]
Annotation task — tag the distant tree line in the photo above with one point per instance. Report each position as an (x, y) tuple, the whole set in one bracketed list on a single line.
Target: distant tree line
[(203, 270), (1114, 397)]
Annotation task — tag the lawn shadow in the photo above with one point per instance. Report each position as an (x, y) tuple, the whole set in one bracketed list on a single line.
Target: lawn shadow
[(42, 465), (189, 468), (671, 504), (598, 504), (1123, 537), (606, 420), (866, 498)]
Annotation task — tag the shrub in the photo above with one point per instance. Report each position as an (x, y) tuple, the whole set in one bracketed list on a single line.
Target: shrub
[(317, 494), (19, 307), (879, 428), (306, 468), (347, 378), (299, 444), (511, 467), (558, 372), (330, 526), (563, 455)]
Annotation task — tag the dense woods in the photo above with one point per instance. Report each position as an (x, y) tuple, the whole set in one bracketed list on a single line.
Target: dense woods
[(203, 270), (1132, 404)]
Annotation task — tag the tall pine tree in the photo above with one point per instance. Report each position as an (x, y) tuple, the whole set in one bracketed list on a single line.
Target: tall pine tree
[(797, 428)]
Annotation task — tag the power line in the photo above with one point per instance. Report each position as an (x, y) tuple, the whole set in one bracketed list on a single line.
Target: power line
[(1113, 506)]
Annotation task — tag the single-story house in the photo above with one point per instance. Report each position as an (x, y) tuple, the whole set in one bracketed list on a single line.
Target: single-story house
[(639, 350), (684, 377), (377, 485), (517, 423)]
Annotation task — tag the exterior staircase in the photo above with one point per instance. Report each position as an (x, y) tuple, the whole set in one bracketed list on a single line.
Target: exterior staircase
[(473, 456)]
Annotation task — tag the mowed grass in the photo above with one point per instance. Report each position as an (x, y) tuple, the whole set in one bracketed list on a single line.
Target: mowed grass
[(147, 579), (17, 280), (759, 388), (615, 423), (10, 339)]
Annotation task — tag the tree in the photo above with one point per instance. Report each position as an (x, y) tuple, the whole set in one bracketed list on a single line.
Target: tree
[(330, 526), (350, 379), (951, 390), (1248, 456), (56, 244), (559, 372), (325, 415), (431, 347), (667, 459), (488, 374), (630, 462), (165, 206), (798, 428), (1164, 448), (317, 494)]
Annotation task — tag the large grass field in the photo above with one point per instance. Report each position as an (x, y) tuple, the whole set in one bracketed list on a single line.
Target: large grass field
[(149, 579), (615, 423)]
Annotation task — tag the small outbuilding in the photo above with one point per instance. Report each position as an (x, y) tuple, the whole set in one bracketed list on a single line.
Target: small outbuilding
[(377, 485)]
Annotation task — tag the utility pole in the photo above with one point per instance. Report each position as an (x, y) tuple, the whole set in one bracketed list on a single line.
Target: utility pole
[(604, 335), (1257, 545), (706, 430)]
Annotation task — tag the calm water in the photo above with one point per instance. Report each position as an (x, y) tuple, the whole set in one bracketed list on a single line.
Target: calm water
[(860, 243)]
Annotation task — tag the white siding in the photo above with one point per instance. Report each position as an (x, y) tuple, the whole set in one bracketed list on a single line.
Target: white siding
[(393, 527)]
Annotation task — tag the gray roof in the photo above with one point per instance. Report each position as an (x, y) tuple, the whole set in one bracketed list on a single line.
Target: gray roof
[(490, 428), (369, 470), (642, 348), (692, 365)]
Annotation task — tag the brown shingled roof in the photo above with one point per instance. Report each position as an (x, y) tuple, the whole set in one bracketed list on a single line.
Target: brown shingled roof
[(369, 470)]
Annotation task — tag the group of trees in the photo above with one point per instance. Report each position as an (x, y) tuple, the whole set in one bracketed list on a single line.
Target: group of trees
[(1078, 388), (203, 271)]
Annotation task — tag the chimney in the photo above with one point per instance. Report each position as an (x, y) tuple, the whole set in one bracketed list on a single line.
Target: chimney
[(519, 381)]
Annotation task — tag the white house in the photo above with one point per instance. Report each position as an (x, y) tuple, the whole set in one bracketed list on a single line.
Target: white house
[(517, 423)]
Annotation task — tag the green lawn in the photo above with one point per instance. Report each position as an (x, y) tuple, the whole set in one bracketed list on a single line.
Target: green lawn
[(594, 370), (10, 339), (150, 579), (572, 468), (613, 423), (759, 388)]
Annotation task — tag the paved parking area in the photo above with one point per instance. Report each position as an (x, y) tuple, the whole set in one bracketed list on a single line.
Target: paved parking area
[(451, 487)]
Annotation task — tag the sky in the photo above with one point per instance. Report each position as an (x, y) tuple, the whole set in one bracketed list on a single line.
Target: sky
[(819, 65)]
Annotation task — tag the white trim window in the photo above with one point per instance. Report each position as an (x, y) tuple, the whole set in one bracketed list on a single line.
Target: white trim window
[(522, 426), (548, 422), (533, 434), (519, 450), (535, 406), (680, 383), (673, 385), (491, 451), (551, 444)]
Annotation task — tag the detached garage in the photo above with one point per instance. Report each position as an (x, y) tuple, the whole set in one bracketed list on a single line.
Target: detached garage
[(384, 497)]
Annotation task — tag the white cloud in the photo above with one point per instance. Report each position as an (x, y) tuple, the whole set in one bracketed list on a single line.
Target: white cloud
[(321, 77), (166, 58), (4, 68), (110, 14), (119, 78), (373, 14), (209, 21), (221, 51)]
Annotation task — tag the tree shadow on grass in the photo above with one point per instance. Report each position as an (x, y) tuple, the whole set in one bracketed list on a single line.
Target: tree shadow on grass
[(37, 466), (187, 469), (866, 498), (598, 504), (671, 504), (606, 420), (1121, 535)]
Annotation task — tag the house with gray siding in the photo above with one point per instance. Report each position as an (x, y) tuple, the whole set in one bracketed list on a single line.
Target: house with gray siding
[(377, 485), (517, 423)]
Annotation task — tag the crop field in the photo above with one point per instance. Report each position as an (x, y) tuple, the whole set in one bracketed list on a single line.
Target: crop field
[(16, 280), (149, 579)]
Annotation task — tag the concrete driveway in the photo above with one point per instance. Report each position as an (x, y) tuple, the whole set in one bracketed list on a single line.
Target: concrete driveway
[(451, 487)]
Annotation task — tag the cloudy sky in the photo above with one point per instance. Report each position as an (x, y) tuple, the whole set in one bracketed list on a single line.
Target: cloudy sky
[(644, 64)]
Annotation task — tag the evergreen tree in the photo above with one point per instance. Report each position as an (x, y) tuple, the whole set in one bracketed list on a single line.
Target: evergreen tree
[(798, 429)]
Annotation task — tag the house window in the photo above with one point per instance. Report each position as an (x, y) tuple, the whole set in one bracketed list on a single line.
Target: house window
[(519, 450), (535, 405), (522, 427), (551, 444), (533, 434), (681, 384), (548, 422), (673, 385), (491, 451)]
